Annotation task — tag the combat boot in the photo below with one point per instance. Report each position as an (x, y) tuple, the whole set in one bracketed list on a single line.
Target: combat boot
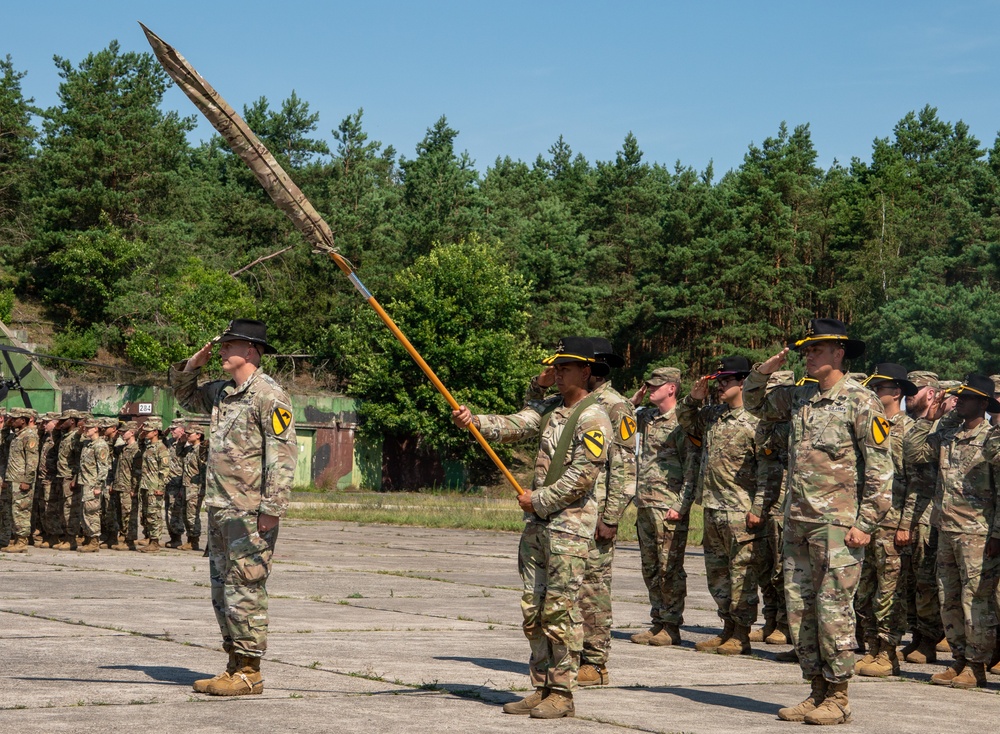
[(885, 663), (925, 652), (815, 698), (946, 676), (643, 638), (201, 686), (91, 545), (20, 545), (759, 635), (993, 665), (524, 706), (714, 642), (593, 675), (871, 650), (246, 680), (192, 544), (780, 636), (913, 644), (124, 546), (738, 644), (174, 542), (974, 676), (68, 543), (554, 706), (942, 645), (153, 546), (669, 635), (835, 708)]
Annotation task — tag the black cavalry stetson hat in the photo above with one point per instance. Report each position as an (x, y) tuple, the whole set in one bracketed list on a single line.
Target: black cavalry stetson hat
[(734, 365), (247, 330), (577, 349), (979, 386), (604, 352), (823, 330), (890, 372)]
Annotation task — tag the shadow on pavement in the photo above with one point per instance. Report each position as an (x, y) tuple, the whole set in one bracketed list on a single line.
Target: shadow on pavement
[(163, 673), (504, 666), (717, 698)]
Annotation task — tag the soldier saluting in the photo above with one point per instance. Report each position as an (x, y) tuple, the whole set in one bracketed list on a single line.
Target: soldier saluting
[(839, 487), (560, 519)]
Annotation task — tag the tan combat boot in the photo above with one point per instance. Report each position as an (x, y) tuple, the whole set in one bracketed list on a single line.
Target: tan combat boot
[(780, 636), (713, 642), (669, 635), (942, 645), (192, 544), (946, 676), (124, 545), (643, 638), (835, 708), (554, 706), (974, 676), (871, 650), (815, 698), (912, 645), (201, 686), (153, 546), (593, 675), (19, 545), (174, 542), (92, 545), (885, 663), (759, 635), (925, 652), (993, 665), (524, 706), (738, 644), (246, 680)]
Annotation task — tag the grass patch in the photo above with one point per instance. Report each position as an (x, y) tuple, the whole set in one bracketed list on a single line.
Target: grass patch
[(462, 510)]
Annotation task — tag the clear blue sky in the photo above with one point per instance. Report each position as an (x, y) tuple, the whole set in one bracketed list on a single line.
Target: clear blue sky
[(694, 81)]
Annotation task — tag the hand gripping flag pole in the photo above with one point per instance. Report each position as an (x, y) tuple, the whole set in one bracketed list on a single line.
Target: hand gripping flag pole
[(289, 199)]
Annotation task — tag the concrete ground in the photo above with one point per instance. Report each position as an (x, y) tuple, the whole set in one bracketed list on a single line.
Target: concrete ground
[(384, 629)]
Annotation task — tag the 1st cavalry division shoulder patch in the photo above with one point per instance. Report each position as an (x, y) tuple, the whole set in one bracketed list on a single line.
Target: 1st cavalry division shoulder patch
[(880, 430), (593, 443), (281, 419), (627, 428)]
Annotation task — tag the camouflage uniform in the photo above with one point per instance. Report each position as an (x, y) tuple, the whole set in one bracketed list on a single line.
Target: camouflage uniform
[(728, 484), (249, 472), (665, 482), (67, 464), (839, 476), (615, 489), (879, 604), (964, 514), (152, 484), (193, 477), (173, 497), (771, 440), (49, 485), (124, 486), (95, 463), (558, 535), (22, 466)]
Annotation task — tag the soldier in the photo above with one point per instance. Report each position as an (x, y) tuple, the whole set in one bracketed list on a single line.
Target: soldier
[(95, 463), (153, 481), (839, 487), (560, 515), (19, 478), (251, 464), (771, 440), (733, 551), (193, 475), (920, 586), (173, 499), (878, 603), (4, 447), (48, 482), (67, 459), (968, 558), (124, 486), (663, 499)]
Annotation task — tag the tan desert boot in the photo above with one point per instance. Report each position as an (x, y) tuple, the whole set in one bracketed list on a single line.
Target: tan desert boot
[(924, 653), (524, 706), (19, 545), (738, 644), (885, 663), (974, 676), (835, 708), (643, 638), (912, 645), (780, 636), (759, 635), (946, 676), (871, 650), (554, 706), (815, 698), (201, 686), (713, 642), (192, 544), (942, 645), (593, 675), (92, 545), (246, 680), (669, 635), (153, 546)]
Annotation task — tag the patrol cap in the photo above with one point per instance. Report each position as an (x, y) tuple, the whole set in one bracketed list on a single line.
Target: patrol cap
[(605, 352), (74, 414), (891, 373), (923, 378), (577, 349), (107, 422), (824, 330), (663, 375), (130, 426), (979, 386), (22, 413), (247, 330), (194, 428), (153, 423), (52, 416), (949, 385), (734, 365), (177, 422)]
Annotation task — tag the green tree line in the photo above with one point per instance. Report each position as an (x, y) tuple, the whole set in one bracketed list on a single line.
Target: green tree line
[(141, 243)]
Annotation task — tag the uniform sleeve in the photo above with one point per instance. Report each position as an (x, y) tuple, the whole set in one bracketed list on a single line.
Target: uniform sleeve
[(692, 417), (162, 466), (589, 452), (191, 396), (535, 393), (871, 433), (774, 406), (919, 447), (15, 464), (511, 428), (770, 470), (623, 470), (692, 470), (281, 453), (103, 455)]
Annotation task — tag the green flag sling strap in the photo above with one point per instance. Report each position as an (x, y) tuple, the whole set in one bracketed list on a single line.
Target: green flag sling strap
[(558, 466)]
